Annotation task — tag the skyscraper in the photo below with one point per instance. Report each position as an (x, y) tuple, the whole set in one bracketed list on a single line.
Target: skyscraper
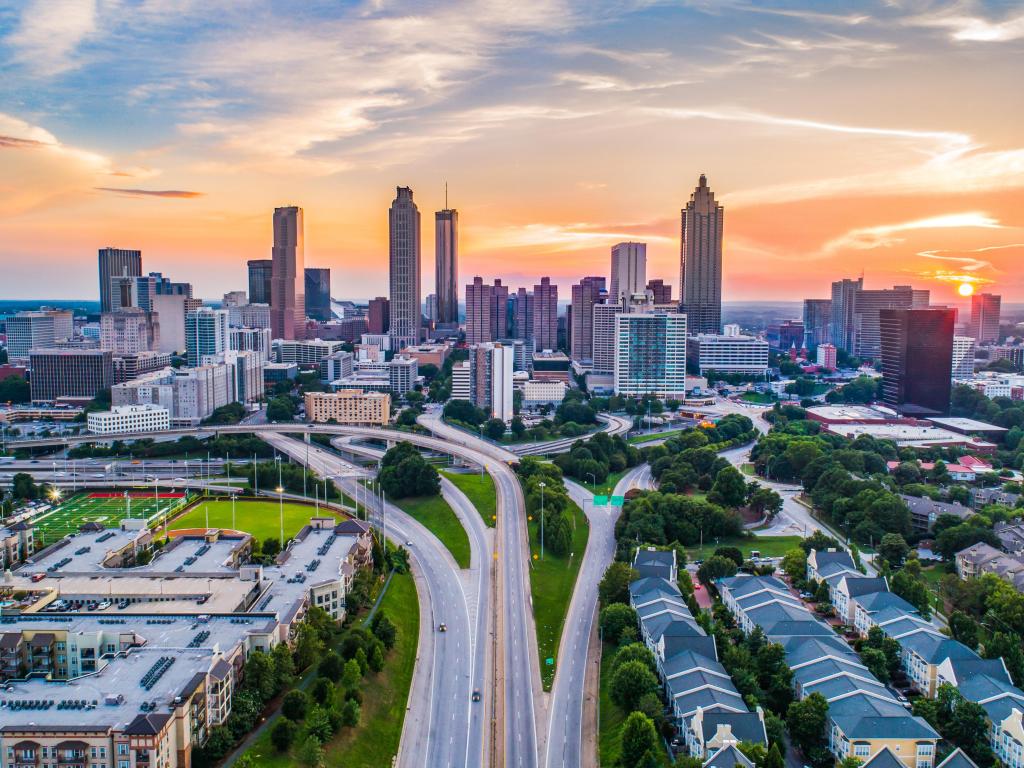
[(545, 315), (318, 293), (129, 330), (261, 275), (700, 260), (588, 292), (116, 262), (479, 312), (817, 318), (446, 265), (288, 286), (206, 333), (378, 315), (842, 331), (404, 269), (917, 360), (985, 309), (628, 271), (523, 315), (963, 357), (867, 303), (650, 354), (660, 293), (500, 293)]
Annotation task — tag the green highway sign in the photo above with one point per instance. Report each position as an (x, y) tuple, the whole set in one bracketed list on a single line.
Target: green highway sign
[(618, 501), (549, 661), (600, 501)]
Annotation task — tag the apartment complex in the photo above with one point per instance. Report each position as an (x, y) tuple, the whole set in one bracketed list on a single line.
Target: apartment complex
[(650, 354), (349, 406), (729, 354)]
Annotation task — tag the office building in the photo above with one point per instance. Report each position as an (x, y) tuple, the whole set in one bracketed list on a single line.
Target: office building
[(462, 388), (843, 325), (545, 315), (206, 333), (650, 354), (349, 406), (551, 365), (917, 359), (63, 323), (430, 309), (288, 283), (586, 294), (628, 271), (27, 331), (480, 311), (318, 293), (729, 354), (171, 309), (67, 373), (116, 262), (827, 356), (867, 306), (129, 418), (538, 393), (521, 313), (261, 277), (446, 265), (164, 286), (130, 366), (402, 373), (404, 269), (129, 330), (189, 394), (985, 309), (604, 331), (309, 352), (817, 320), (378, 315), (429, 354), (963, 357), (700, 257), (786, 335), (336, 366), (1015, 354), (254, 316), (660, 293), (251, 340), (132, 291), (246, 373)]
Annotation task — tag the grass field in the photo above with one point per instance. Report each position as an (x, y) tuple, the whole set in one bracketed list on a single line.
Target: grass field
[(769, 546), (609, 727), (762, 398), (650, 437), (607, 486), (106, 508), (375, 740), (551, 583), (479, 489), (259, 518), (435, 514)]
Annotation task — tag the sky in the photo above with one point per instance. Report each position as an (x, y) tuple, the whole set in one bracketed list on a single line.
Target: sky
[(875, 138)]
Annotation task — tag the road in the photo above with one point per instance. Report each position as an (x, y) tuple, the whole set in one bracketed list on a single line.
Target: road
[(520, 674), (443, 726), (613, 425)]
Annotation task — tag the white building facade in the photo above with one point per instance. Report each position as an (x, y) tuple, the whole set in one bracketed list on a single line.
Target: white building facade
[(650, 354)]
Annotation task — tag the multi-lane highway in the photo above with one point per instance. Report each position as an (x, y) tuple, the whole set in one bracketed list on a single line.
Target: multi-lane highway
[(612, 424)]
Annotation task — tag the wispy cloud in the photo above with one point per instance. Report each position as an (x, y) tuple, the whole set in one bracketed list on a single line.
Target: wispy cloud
[(965, 28), (49, 33), (563, 237), (887, 235), (174, 193)]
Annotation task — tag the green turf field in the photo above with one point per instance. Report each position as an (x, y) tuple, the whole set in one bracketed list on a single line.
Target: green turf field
[(82, 508), (260, 518)]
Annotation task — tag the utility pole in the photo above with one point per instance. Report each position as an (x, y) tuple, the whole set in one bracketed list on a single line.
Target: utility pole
[(542, 485)]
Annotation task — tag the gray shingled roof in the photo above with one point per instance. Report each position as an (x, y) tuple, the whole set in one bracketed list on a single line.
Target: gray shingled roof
[(728, 757), (746, 726)]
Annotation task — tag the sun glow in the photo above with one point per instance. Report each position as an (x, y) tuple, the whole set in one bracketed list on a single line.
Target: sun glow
[(965, 289)]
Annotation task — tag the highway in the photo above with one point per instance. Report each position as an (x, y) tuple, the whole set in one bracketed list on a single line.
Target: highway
[(613, 425)]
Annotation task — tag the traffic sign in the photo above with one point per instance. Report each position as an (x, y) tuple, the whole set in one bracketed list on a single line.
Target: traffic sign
[(549, 661), (618, 501), (600, 501)]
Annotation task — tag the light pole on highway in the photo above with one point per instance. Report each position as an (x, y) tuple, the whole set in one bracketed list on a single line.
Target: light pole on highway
[(280, 497), (255, 476), (233, 524), (542, 485), (593, 479)]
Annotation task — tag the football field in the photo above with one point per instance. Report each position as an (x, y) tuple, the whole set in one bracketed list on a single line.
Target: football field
[(108, 508)]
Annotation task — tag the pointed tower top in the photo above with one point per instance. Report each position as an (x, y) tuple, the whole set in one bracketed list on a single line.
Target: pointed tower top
[(703, 180)]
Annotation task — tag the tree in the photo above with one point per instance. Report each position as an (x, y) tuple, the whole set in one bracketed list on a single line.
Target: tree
[(271, 547), (764, 501), (716, 567), (282, 735), (774, 757), (964, 629), (893, 549), (729, 489), (876, 662), (384, 629), (633, 652), (308, 646), (806, 721), (494, 429), (614, 586), (259, 676), (911, 588), (323, 691), (614, 619), (14, 389), (639, 738), (352, 675), (464, 411), (23, 486), (318, 724), (518, 428), (404, 472), (281, 408), (350, 713), (284, 666), (794, 564), (311, 754), (631, 681), (294, 705), (730, 553), (376, 659)]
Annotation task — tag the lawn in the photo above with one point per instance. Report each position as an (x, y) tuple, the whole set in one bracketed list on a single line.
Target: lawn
[(769, 546), (479, 489), (435, 514), (108, 508), (374, 742), (651, 436), (747, 469), (262, 519), (551, 583), (607, 486), (762, 398), (609, 727)]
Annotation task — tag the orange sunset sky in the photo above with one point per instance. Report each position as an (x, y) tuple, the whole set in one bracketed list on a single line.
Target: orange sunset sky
[(874, 137)]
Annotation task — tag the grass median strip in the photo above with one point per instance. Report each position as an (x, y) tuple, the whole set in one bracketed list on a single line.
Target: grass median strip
[(768, 546), (436, 516), (479, 489)]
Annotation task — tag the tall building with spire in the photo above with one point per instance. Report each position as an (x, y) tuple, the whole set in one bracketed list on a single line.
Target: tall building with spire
[(404, 269), (700, 260), (446, 264), (288, 281)]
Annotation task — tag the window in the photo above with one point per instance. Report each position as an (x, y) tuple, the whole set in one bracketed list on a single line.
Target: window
[(861, 750), (925, 749), (122, 749)]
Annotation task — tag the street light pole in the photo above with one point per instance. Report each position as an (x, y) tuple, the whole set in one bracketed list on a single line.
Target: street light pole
[(280, 497), (542, 485)]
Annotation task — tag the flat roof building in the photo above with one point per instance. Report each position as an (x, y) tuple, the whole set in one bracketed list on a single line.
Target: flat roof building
[(129, 418), (349, 406), (68, 373)]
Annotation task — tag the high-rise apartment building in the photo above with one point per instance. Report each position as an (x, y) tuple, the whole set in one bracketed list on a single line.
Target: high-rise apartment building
[(206, 333), (431, 309), (719, 353), (843, 326), (288, 284), (378, 315), (826, 356), (500, 293), (129, 330), (27, 331), (817, 319), (660, 293), (604, 329), (917, 360), (446, 265), (251, 340), (963, 357), (479, 312), (116, 262), (522, 315), (545, 315), (490, 379), (985, 309), (868, 303), (589, 292), (700, 268), (318, 293), (261, 277), (404, 270), (70, 373), (628, 271), (650, 354)]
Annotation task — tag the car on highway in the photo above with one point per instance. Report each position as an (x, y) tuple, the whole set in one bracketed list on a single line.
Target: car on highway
[(408, 543), (442, 627), (476, 694)]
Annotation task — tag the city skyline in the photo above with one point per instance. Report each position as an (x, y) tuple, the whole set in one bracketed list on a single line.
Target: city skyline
[(532, 118)]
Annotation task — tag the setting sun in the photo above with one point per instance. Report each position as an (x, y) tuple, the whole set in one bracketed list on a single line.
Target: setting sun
[(965, 289)]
